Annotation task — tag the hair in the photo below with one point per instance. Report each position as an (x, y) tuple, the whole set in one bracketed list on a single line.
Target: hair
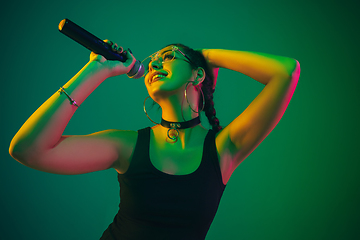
[(207, 88)]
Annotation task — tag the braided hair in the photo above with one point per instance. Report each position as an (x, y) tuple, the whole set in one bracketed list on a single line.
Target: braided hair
[(207, 85)]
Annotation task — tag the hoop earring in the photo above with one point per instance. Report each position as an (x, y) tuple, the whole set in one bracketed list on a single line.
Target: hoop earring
[(146, 112), (187, 100)]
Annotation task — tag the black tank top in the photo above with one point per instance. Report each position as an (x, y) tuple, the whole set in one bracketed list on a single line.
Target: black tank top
[(157, 205)]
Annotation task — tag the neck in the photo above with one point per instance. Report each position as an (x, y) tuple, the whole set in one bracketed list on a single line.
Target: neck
[(174, 127), (173, 116), (182, 124), (176, 110)]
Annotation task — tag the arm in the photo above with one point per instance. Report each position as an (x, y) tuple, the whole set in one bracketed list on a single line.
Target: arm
[(280, 76), (39, 142)]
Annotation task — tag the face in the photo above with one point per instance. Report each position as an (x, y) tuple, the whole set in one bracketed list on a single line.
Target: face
[(167, 77)]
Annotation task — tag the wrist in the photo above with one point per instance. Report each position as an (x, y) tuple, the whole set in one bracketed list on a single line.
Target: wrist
[(99, 69)]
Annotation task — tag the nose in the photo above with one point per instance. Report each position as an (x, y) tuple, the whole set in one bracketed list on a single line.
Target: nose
[(155, 64)]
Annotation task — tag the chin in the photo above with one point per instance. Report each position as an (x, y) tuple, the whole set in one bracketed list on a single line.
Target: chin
[(161, 91)]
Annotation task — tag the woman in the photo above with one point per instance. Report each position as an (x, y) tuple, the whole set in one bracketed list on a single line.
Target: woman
[(173, 174)]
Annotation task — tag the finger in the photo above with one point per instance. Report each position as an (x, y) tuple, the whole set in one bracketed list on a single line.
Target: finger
[(114, 47), (120, 50), (108, 42), (130, 56)]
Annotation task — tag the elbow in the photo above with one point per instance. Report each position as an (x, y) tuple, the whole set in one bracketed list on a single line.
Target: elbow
[(28, 156), (291, 70), (288, 70), (295, 72), (289, 66), (19, 152), (13, 149), (15, 152)]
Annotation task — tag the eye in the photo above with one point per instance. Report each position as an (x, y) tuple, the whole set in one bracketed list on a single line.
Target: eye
[(168, 56)]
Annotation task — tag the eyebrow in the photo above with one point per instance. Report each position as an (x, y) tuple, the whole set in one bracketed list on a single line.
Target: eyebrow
[(168, 50)]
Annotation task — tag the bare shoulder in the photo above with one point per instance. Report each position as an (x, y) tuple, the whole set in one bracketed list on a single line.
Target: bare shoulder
[(124, 136), (125, 141)]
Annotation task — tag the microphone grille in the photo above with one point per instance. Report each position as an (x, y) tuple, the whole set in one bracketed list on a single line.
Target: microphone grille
[(137, 71)]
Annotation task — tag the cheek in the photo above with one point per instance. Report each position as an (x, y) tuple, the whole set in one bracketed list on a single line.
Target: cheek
[(181, 72), (146, 82)]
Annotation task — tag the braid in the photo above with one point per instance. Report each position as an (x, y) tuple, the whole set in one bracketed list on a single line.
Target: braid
[(207, 85), (209, 108)]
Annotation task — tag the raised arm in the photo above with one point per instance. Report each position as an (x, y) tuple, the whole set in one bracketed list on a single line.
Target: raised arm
[(39, 143), (280, 76)]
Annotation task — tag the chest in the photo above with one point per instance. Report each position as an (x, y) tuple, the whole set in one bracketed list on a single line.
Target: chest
[(176, 161), (172, 185), (176, 158)]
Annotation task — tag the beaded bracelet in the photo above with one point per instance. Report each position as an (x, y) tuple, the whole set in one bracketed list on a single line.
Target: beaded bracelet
[(72, 101)]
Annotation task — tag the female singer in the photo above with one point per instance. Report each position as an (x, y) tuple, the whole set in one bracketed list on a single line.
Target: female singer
[(171, 175)]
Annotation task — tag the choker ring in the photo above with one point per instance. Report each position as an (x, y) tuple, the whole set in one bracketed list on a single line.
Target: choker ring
[(173, 131)]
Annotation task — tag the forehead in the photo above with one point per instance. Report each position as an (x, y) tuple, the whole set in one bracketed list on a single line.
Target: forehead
[(162, 51), (167, 49)]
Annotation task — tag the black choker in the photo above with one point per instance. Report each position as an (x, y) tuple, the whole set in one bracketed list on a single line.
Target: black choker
[(173, 132)]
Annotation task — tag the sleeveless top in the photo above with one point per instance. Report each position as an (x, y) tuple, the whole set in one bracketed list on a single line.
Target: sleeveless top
[(157, 205)]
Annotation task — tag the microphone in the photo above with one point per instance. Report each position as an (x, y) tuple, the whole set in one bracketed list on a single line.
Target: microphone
[(98, 46)]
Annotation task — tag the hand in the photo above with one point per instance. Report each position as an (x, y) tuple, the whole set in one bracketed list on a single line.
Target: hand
[(115, 67)]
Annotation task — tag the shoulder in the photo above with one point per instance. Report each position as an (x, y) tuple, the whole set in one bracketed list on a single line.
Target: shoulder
[(125, 141), (120, 134), (121, 137)]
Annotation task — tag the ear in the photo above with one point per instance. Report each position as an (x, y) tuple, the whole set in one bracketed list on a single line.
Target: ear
[(200, 75)]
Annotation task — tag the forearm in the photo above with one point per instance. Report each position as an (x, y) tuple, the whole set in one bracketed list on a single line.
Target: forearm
[(44, 128), (259, 66)]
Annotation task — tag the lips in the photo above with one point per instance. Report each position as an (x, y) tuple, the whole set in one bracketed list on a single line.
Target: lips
[(155, 76)]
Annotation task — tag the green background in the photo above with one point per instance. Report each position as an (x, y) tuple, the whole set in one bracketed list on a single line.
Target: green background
[(301, 183)]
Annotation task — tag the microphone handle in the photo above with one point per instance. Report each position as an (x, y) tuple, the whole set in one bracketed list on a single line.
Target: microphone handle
[(96, 45)]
